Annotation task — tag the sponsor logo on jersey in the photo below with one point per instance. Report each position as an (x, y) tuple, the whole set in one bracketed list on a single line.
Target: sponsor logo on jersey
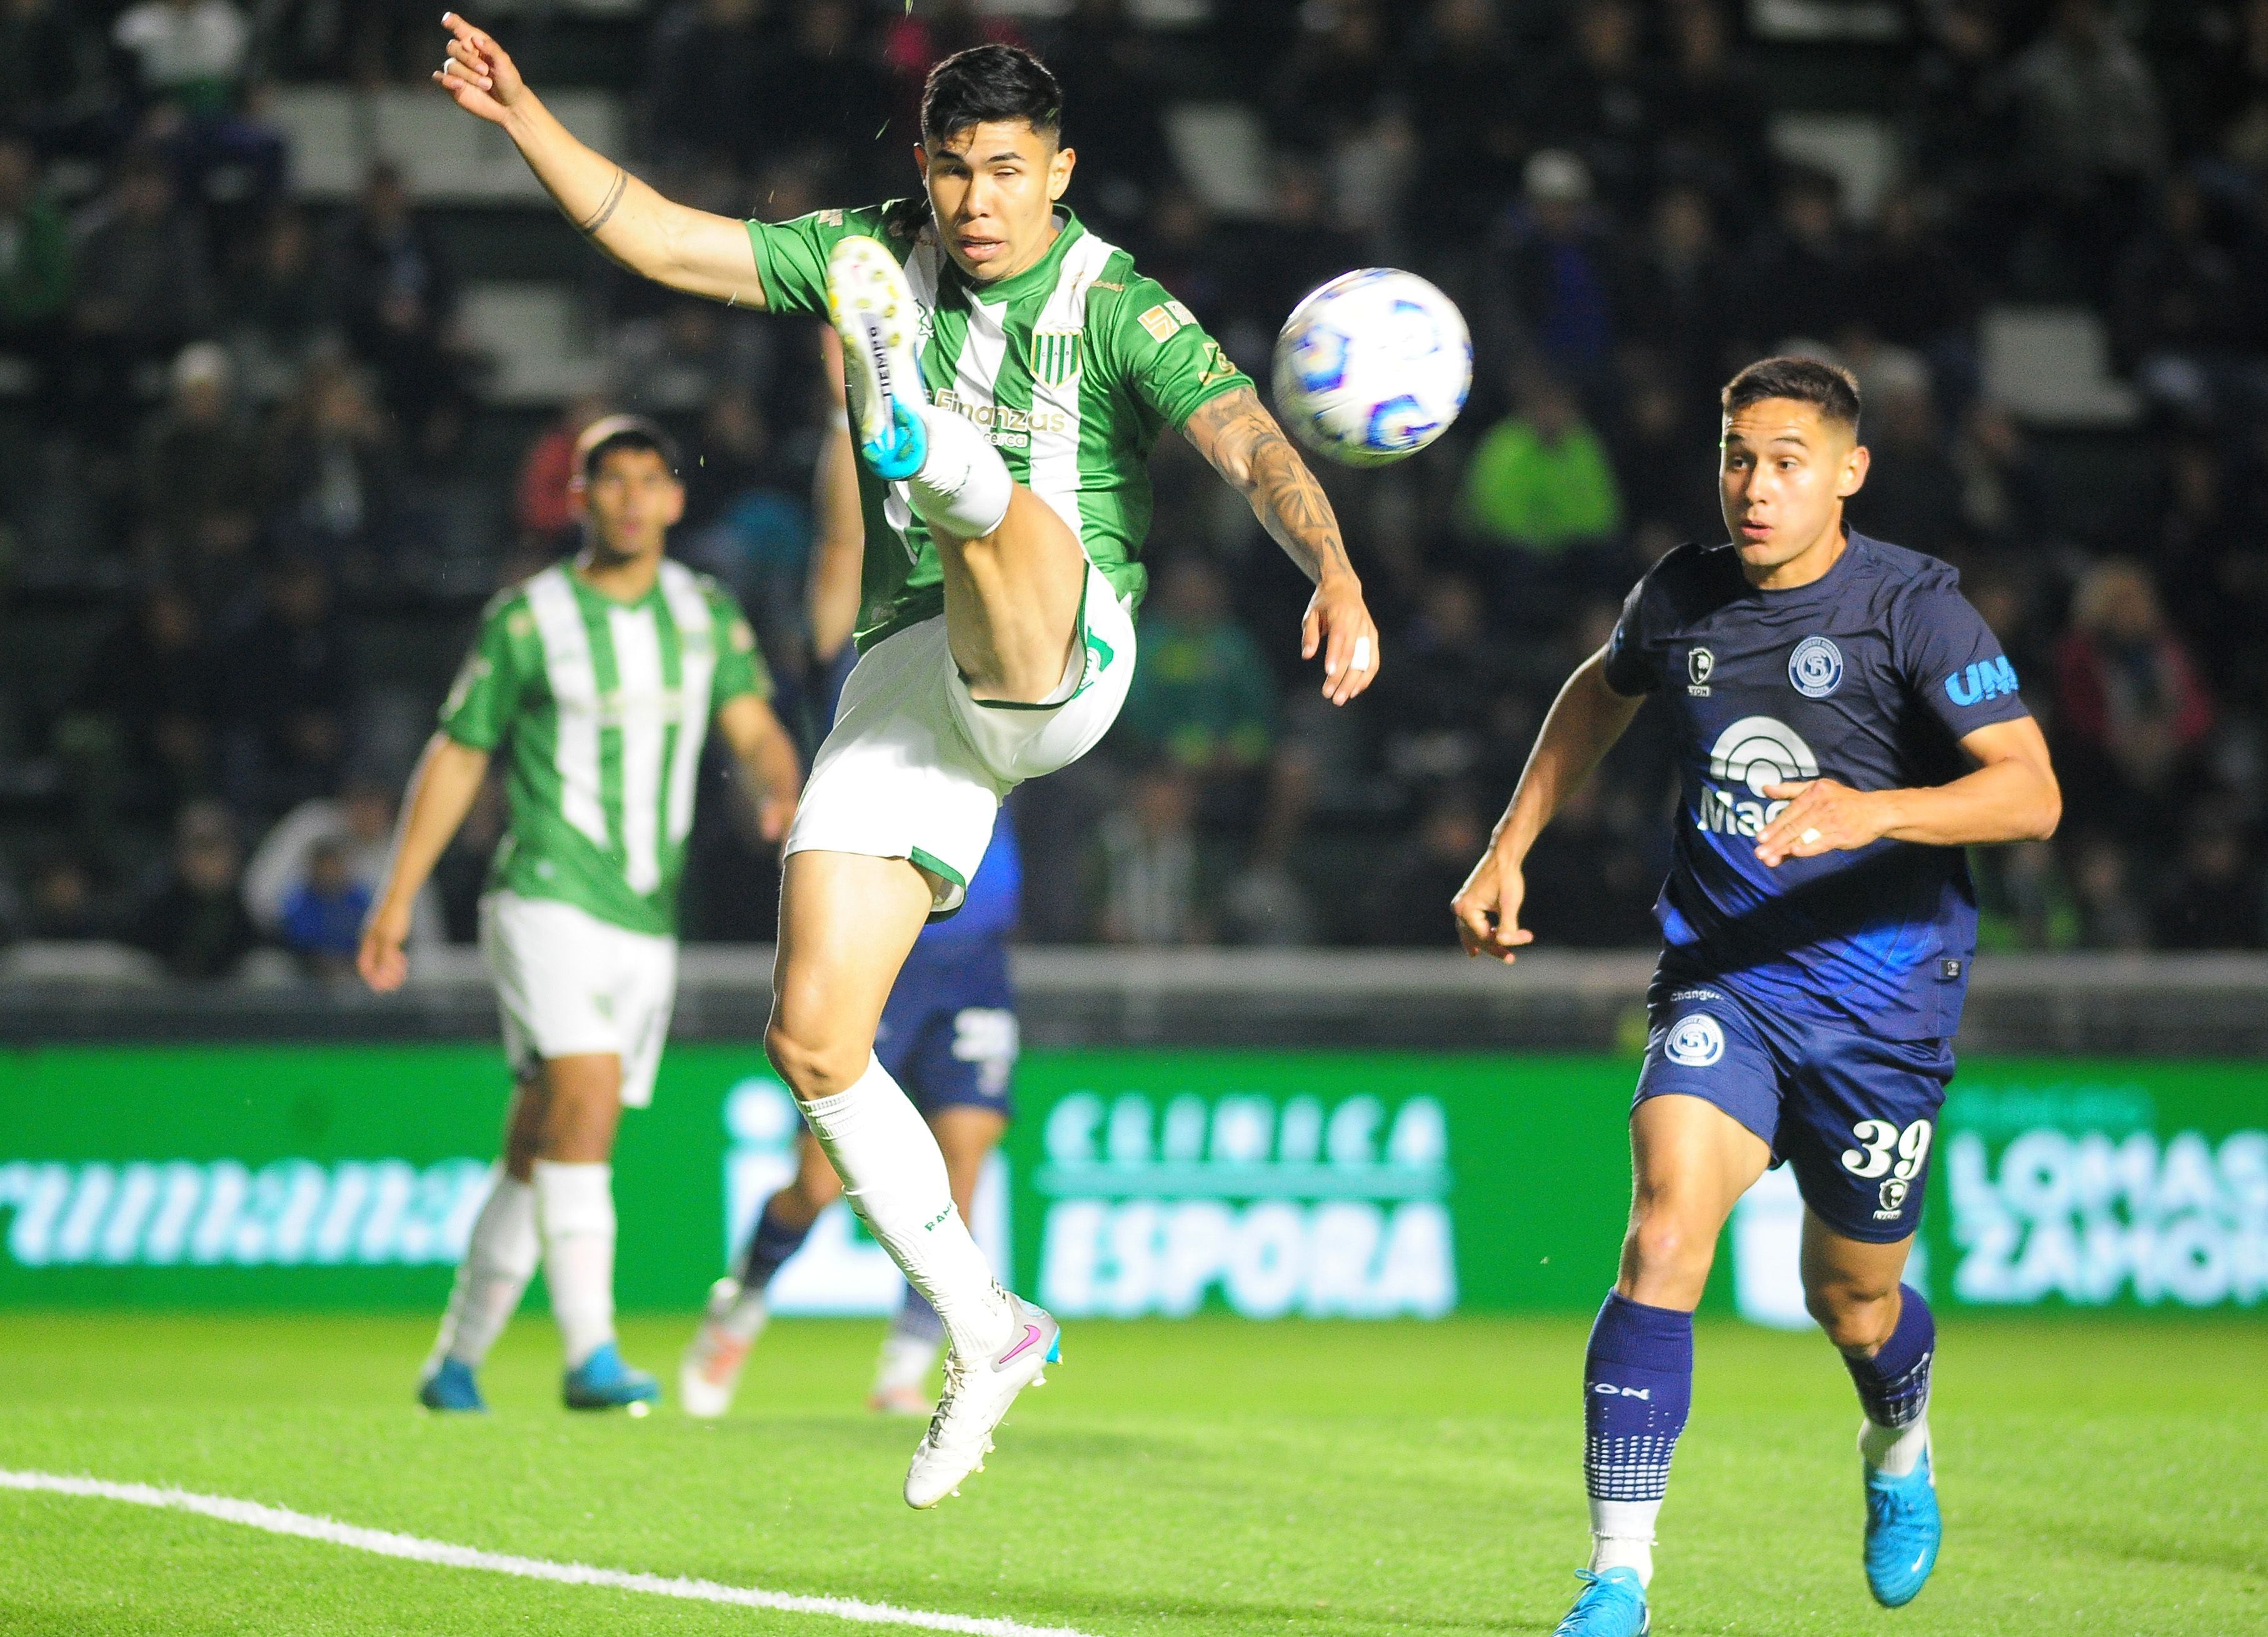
[(1696, 1040), (1987, 678), (1165, 320), (1893, 1200), (1754, 754), (1001, 418), (1218, 365), (1700, 665), (1055, 356), (1816, 668)]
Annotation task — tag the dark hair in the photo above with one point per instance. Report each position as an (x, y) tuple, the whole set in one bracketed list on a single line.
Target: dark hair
[(603, 438), (986, 83), (1829, 387)]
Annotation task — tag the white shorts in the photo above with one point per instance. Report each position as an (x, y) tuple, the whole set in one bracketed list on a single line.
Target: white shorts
[(915, 768), (569, 984)]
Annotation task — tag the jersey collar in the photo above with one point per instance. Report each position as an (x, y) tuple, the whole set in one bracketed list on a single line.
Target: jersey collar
[(1038, 276)]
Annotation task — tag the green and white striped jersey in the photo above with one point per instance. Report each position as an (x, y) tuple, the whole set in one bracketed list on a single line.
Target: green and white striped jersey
[(1071, 367), (602, 708)]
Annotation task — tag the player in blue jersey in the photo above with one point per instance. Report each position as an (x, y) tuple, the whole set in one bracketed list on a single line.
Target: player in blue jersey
[(1846, 725)]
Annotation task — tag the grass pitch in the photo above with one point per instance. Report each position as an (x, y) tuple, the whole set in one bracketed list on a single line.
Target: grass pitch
[(1203, 1478)]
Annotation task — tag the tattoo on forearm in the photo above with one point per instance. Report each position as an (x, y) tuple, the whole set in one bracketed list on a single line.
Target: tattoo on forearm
[(1241, 438), (607, 206)]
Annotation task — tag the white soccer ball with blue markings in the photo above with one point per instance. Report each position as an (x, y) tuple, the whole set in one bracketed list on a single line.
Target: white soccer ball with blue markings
[(1372, 367)]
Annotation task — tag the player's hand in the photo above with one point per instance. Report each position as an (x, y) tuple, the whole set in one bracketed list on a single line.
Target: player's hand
[(380, 960), (1821, 816), (1487, 909), (1338, 626), (774, 815), (479, 75)]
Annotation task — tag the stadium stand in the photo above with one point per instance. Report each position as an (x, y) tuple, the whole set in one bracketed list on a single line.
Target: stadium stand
[(288, 347)]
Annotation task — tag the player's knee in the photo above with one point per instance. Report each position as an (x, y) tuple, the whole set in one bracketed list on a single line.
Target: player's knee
[(1854, 1317), (1664, 1244), (813, 1065)]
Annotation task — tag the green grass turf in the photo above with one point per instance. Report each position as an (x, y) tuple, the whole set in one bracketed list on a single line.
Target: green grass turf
[(1211, 1477)]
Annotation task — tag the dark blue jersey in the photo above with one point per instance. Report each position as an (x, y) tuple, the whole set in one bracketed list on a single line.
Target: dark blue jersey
[(1871, 675)]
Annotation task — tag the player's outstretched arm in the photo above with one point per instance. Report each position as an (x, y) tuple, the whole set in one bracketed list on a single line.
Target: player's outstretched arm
[(1585, 720), (441, 793), (2013, 795), (689, 250), (1235, 432), (766, 756)]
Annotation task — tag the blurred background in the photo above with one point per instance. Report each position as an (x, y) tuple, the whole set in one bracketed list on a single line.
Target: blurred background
[(290, 352)]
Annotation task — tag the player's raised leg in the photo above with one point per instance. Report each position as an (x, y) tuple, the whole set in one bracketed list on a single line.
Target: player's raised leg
[(1690, 1161), (737, 1310), (966, 1135), (1888, 1339), (1014, 574)]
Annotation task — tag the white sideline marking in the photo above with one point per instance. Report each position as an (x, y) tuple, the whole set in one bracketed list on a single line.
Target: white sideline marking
[(385, 1544)]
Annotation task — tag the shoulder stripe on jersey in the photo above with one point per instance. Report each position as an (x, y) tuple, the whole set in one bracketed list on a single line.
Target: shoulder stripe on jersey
[(567, 665), (1055, 474), (696, 674), (641, 713)]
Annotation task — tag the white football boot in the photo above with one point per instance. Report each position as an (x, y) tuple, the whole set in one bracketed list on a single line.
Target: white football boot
[(710, 1373), (872, 309), (977, 1397)]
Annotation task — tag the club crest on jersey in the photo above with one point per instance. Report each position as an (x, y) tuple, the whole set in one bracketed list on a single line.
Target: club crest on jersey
[(1696, 1040), (1055, 357), (1700, 665), (1816, 668)]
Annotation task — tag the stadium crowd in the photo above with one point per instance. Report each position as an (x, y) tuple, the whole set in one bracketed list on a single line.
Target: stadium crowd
[(258, 491)]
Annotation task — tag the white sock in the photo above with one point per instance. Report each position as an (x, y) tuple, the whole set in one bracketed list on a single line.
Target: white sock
[(1621, 1537), (906, 1361), (744, 1320), (1895, 1450), (894, 1174), (963, 486), (576, 1206), (499, 1260)]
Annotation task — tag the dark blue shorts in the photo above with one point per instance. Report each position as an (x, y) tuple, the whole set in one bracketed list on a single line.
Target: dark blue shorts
[(948, 1034), (1852, 1114)]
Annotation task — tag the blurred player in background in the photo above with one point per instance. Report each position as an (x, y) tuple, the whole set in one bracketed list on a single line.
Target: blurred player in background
[(948, 1034), (598, 678), (1009, 374), (1847, 724)]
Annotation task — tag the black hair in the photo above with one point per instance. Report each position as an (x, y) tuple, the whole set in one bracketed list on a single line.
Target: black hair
[(603, 438), (987, 83), (1828, 387)]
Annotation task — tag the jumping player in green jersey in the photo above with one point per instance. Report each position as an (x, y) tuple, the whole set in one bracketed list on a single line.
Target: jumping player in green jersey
[(596, 680), (1008, 375)]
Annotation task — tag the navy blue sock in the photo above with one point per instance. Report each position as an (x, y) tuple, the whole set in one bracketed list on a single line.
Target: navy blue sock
[(1637, 1387), (771, 1244), (1894, 1384)]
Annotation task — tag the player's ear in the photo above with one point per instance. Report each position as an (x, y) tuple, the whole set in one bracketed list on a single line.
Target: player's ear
[(921, 161), (578, 497), (1059, 170), (672, 509), (1853, 476)]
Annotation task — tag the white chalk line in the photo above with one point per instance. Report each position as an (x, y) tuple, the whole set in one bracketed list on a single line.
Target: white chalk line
[(412, 1548)]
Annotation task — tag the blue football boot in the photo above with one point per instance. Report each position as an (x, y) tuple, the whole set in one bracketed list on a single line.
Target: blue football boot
[(872, 309), (603, 1381), (450, 1386), (1903, 1531), (1613, 1604)]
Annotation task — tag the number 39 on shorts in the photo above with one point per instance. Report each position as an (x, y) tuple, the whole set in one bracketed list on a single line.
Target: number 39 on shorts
[(1885, 1149)]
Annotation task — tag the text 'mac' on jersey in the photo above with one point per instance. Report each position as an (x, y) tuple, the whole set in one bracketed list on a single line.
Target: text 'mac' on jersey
[(1870, 676), (1071, 368), (601, 709)]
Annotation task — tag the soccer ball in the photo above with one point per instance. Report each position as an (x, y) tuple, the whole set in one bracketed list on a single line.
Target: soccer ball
[(1372, 366)]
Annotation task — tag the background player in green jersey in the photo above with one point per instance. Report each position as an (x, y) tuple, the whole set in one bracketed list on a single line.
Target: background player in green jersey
[(597, 680), (1008, 375)]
